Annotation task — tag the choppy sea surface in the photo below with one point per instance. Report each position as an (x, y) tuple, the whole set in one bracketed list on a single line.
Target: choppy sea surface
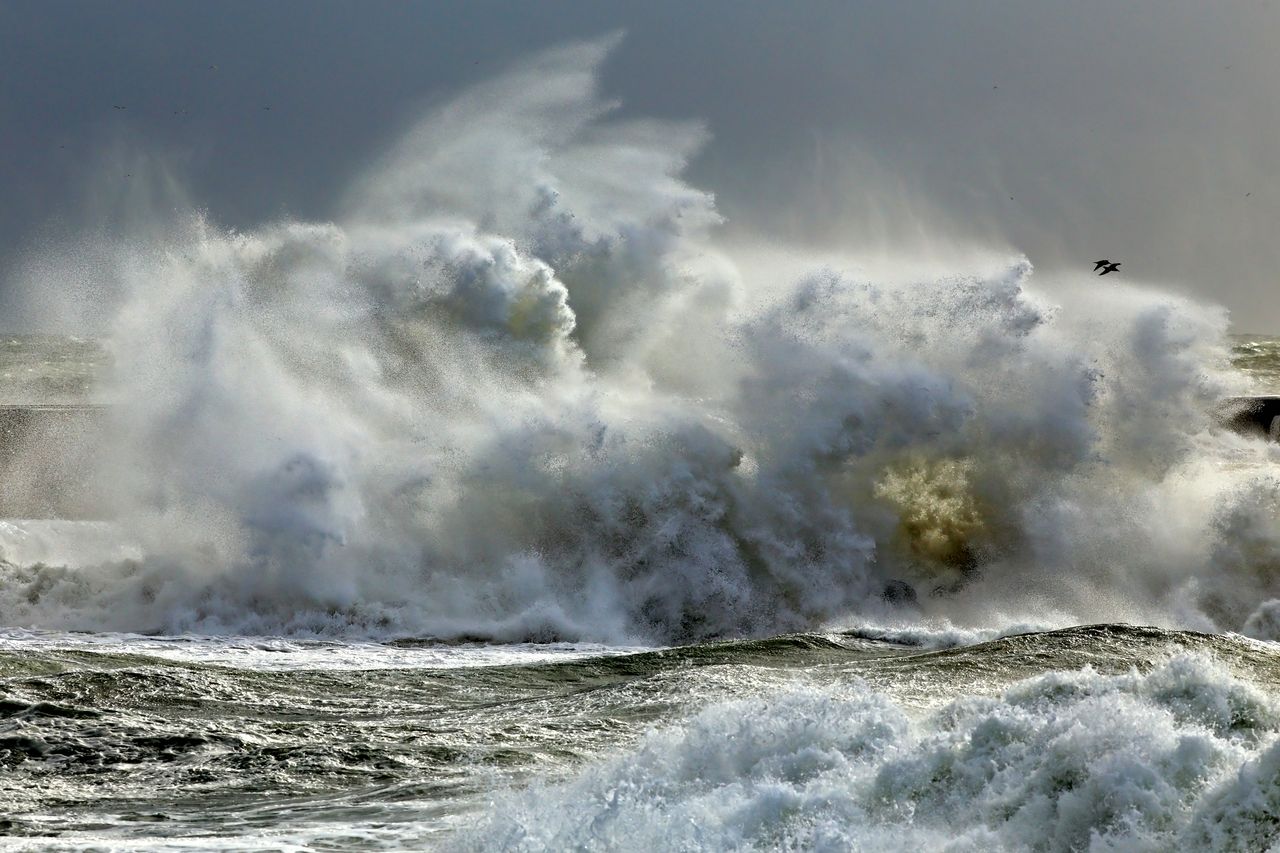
[(1133, 737), (515, 509), (1258, 357), (48, 369)]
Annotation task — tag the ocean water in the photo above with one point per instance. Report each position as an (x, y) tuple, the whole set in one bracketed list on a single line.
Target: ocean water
[(1103, 737), (516, 508)]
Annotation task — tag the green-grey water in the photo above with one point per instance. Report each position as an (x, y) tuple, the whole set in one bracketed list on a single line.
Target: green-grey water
[(119, 742), (1258, 356)]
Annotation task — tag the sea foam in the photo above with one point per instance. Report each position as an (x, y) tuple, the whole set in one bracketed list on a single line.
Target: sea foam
[(1182, 757)]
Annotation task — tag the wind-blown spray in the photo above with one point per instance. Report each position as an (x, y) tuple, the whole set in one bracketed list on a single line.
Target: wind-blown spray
[(516, 391)]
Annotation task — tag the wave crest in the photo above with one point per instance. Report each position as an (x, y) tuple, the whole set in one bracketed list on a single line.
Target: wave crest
[(517, 390)]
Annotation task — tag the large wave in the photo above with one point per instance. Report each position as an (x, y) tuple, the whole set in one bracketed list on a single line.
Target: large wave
[(518, 390), (1184, 757)]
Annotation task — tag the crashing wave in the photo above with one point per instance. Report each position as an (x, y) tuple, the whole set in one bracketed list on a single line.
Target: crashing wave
[(516, 390)]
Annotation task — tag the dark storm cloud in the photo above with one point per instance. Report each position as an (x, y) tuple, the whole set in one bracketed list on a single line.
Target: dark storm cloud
[(1145, 131)]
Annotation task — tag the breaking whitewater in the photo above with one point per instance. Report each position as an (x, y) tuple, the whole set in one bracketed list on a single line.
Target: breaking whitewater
[(513, 509)]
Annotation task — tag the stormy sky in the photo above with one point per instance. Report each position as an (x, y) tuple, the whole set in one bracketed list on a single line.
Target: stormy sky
[(1144, 131)]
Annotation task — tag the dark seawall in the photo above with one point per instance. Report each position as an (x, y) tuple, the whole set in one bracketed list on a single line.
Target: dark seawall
[(1258, 416)]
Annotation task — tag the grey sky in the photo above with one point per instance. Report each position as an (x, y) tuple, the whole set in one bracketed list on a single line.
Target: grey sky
[(1144, 131)]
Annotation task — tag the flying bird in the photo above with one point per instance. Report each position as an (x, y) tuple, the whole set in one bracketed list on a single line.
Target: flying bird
[(1097, 265), (1110, 268), (118, 107)]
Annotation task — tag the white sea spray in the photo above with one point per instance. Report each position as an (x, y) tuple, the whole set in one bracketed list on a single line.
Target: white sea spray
[(518, 390)]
